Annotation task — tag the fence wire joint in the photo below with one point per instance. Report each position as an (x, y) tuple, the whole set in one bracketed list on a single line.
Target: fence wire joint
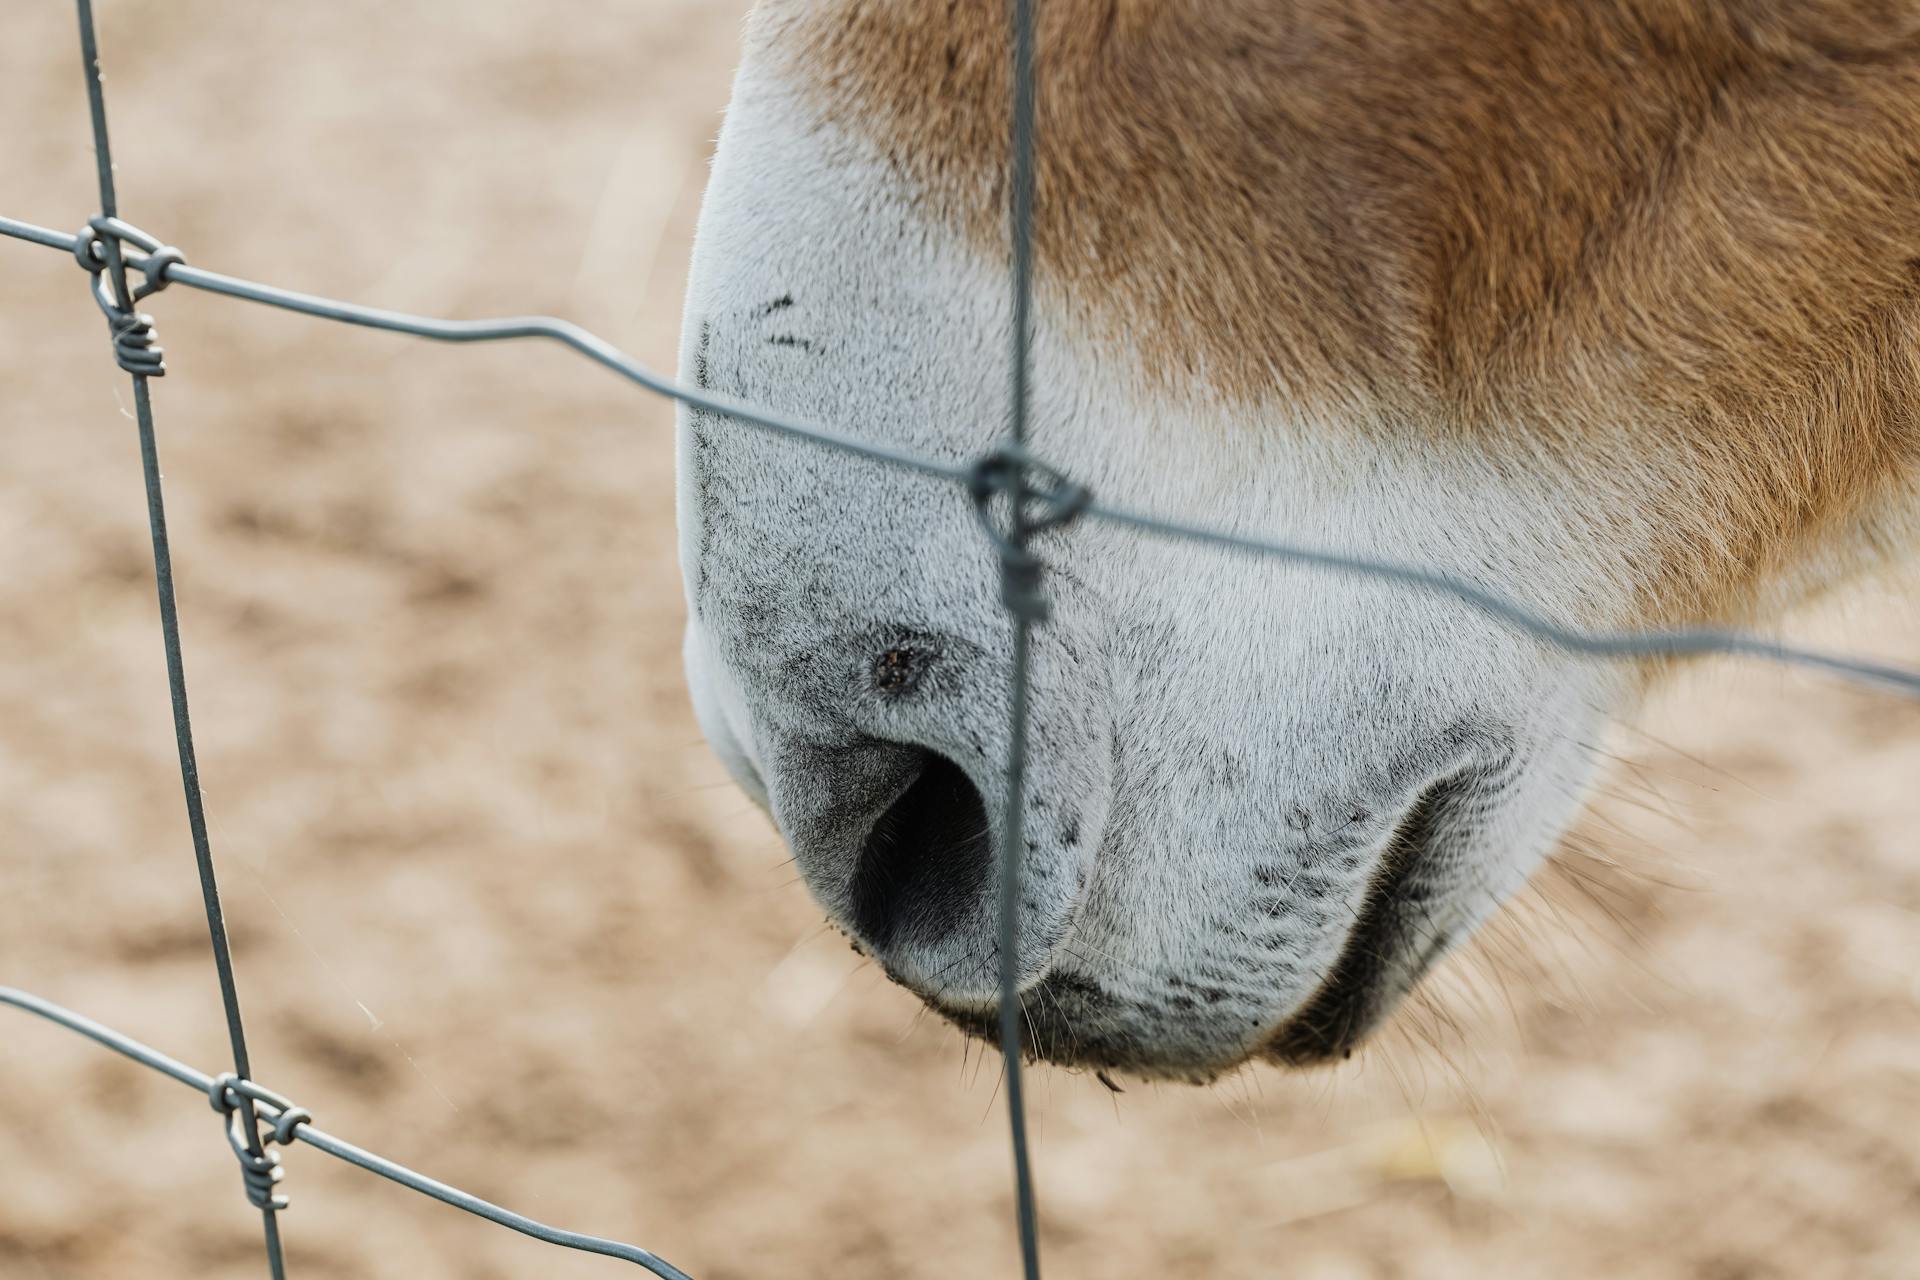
[(134, 343), (260, 1170), (1042, 498)]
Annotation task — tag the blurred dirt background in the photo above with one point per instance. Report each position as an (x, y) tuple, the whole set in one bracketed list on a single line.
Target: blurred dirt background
[(498, 915)]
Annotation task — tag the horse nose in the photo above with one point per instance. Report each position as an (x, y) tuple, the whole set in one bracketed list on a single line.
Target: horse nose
[(886, 776), (924, 867), (899, 843)]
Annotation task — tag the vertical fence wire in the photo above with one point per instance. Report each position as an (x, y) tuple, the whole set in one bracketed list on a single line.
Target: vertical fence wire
[(1013, 828), (116, 269)]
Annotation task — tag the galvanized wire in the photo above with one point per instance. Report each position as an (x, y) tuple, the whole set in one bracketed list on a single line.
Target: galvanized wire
[(304, 1131), (1683, 642), (595, 348), (1038, 497), (1026, 609), (101, 250), (126, 322)]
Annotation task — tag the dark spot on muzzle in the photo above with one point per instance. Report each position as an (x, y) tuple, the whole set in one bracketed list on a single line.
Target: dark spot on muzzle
[(898, 671)]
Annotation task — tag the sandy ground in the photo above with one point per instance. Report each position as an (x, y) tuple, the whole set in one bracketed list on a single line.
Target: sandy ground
[(496, 913)]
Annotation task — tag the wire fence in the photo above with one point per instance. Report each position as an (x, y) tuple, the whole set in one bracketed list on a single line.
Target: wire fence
[(1036, 497)]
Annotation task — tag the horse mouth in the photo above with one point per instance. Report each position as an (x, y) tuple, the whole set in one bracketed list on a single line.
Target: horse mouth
[(1072, 1021), (1391, 946), (1069, 1021)]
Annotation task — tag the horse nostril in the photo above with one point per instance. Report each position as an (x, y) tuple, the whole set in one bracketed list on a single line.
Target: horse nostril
[(928, 861)]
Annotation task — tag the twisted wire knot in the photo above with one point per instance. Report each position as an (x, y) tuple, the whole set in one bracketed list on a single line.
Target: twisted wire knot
[(260, 1171), (1047, 500), (135, 346), (259, 1174)]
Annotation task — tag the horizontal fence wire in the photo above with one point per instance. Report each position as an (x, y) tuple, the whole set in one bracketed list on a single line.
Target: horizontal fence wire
[(109, 249), (319, 1139), (1683, 642)]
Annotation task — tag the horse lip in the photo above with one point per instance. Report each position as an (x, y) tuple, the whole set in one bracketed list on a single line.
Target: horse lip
[(1065, 1018), (1383, 957), (1377, 965)]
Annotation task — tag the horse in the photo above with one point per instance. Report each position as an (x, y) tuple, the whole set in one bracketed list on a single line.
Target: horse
[(1609, 307)]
